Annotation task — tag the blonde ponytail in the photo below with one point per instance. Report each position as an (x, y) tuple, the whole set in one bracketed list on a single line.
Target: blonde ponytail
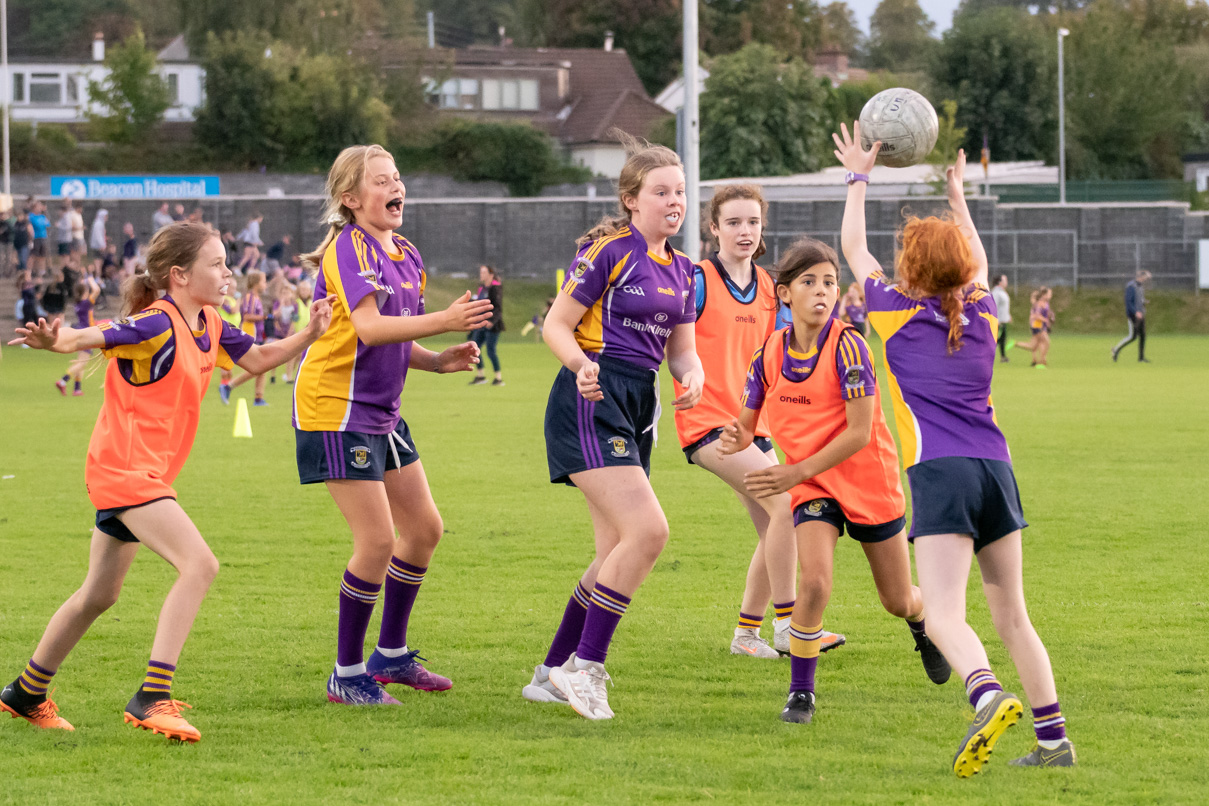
[(345, 176)]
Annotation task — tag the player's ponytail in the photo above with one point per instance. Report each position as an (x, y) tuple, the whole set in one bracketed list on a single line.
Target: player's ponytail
[(174, 246), (935, 260), (641, 159), (344, 177)]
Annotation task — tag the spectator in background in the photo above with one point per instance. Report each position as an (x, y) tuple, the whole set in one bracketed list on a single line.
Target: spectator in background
[(1135, 313), (41, 226), (178, 212), (8, 227), (198, 215), (63, 233), (78, 246), (23, 239), (490, 288), (249, 236), (97, 237), (160, 218), (278, 255), (130, 247), (1003, 307), (231, 245)]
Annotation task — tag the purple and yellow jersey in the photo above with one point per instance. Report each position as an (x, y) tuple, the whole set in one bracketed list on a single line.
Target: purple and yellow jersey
[(144, 346), (855, 313), (634, 298), (1040, 317), (229, 310), (344, 384), (942, 400), (84, 313), (285, 315), (252, 305), (853, 366)]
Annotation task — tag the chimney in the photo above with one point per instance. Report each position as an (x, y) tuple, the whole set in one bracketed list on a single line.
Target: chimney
[(608, 42), (98, 47)]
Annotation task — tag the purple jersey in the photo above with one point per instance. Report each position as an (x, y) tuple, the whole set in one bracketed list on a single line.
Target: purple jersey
[(634, 298), (252, 305), (343, 383), (144, 343), (855, 313), (942, 400), (84, 313), (852, 362)]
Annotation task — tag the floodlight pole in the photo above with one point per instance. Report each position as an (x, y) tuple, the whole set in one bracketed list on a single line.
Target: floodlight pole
[(692, 125), (1062, 34), (6, 88)]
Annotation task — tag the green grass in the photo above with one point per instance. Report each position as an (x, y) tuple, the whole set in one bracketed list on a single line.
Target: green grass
[(1110, 459)]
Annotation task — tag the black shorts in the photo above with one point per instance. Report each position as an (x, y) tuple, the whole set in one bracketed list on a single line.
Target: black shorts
[(763, 443), (64, 248), (334, 455), (965, 496), (618, 430), (108, 522), (39, 248), (828, 510)]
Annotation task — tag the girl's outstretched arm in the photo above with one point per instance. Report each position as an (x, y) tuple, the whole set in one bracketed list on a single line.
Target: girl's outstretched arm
[(58, 339), (852, 156), (955, 181), (458, 358), (374, 329), (261, 358)]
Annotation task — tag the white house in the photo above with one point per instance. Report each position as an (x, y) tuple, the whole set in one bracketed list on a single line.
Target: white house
[(56, 90)]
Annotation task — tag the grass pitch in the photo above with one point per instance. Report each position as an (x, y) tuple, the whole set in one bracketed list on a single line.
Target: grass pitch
[(1111, 463)]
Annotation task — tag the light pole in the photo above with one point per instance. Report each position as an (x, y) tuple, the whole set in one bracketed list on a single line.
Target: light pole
[(1062, 34), (691, 157), (6, 88)]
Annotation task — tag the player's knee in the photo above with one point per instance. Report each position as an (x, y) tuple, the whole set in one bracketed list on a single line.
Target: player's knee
[(898, 604), (650, 540), (429, 533), (96, 600), (815, 586), (202, 569)]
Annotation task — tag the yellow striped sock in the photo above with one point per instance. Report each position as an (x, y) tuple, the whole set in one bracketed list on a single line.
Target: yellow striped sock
[(805, 643)]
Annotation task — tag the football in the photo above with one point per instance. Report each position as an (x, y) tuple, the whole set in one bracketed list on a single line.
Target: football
[(905, 123)]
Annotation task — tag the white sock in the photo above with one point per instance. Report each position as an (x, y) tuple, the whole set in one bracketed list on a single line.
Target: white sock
[(741, 631), (781, 624), (984, 699), (392, 653), (582, 664), (1051, 744), (350, 671)]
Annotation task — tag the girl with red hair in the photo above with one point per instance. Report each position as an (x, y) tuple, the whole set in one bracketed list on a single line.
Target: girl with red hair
[(938, 327)]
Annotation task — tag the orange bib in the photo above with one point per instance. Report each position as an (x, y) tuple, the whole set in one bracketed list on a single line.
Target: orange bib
[(143, 433), (728, 333), (806, 415)]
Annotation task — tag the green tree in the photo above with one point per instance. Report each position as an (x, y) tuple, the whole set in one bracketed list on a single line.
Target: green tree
[(840, 29), (998, 65), (133, 96), (900, 36), (949, 136), (1130, 99), (793, 27), (517, 155), (762, 116), (235, 119)]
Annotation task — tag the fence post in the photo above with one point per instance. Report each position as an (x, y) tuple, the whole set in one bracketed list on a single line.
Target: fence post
[(1075, 256)]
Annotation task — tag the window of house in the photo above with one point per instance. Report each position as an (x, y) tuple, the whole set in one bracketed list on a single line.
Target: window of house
[(454, 93), (174, 90), (73, 89), (18, 87), (45, 88), (510, 93)]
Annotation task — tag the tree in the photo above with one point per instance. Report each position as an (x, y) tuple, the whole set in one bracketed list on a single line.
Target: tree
[(320, 26), (133, 95), (840, 29), (762, 116), (999, 67), (900, 36), (793, 27)]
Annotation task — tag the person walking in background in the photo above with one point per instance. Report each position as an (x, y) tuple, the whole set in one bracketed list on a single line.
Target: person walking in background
[(1040, 320), (1135, 312), (130, 247), (249, 236), (41, 225), (1003, 306), (490, 288)]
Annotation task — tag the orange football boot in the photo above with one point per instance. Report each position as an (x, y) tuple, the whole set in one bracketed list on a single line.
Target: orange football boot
[(161, 716), (43, 715)]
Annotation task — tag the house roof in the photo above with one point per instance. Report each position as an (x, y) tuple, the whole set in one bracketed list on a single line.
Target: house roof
[(604, 90)]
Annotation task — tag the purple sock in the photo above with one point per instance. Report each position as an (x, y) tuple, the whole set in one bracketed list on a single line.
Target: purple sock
[(402, 584), (570, 629), (917, 627), (357, 598), (605, 611), (1049, 723), (980, 682), (801, 673)]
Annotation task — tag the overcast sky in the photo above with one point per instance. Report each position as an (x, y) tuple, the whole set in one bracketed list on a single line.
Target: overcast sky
[(939, 11)]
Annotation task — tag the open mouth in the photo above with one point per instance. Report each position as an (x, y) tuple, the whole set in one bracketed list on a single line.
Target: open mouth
[(224, 288), (744, 244), (673, 218), (395, 206), (820, 306)]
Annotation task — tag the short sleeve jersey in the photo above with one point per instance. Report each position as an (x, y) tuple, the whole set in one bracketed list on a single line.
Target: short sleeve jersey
[(853, 364), (942, 400), (40, 224), (252, 305), (855, 313), (84, 313), (634, 298), (343, 383), (143, 345)]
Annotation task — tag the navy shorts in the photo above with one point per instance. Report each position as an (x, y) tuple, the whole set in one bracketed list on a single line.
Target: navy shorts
[(965, 496), (763, 443), (828, 510), (108, 522), (334, 455), (585, 435)]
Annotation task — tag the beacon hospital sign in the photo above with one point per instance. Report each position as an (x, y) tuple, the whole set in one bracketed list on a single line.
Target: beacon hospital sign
[(133, 187)]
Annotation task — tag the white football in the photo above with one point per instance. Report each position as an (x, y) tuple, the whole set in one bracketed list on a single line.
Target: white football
[(905, 123)]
